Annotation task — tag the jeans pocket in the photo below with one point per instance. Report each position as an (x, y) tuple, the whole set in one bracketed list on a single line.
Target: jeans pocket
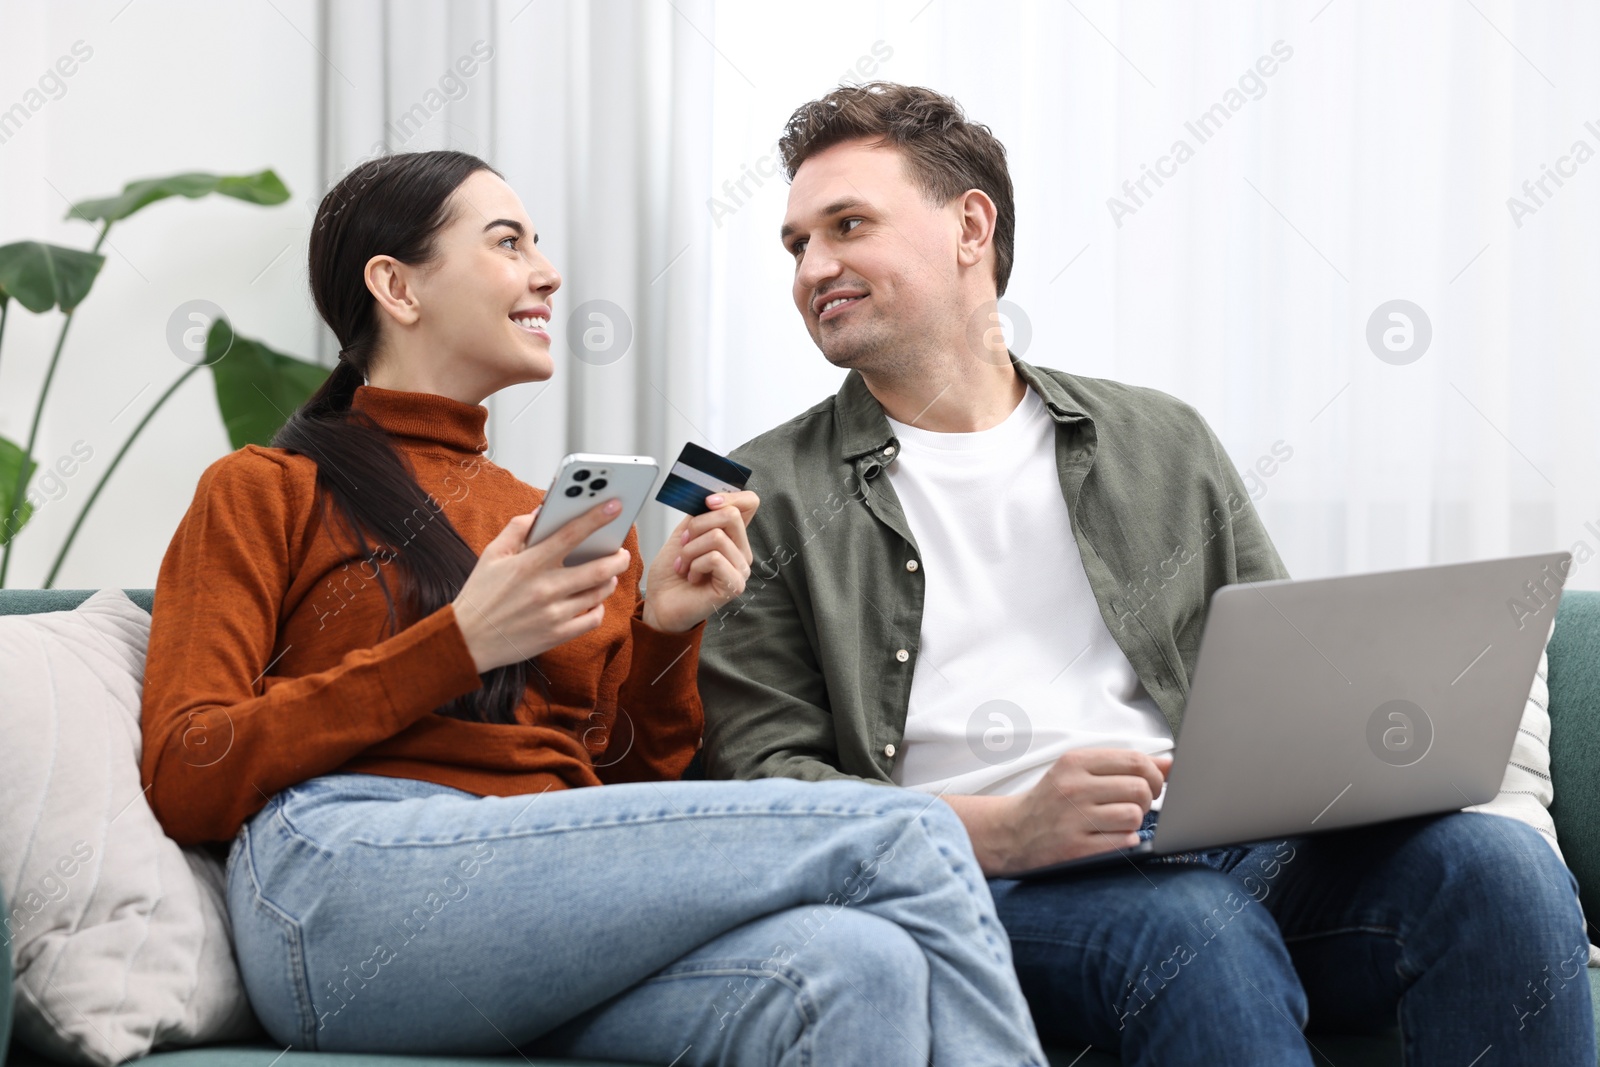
[(295, 804)]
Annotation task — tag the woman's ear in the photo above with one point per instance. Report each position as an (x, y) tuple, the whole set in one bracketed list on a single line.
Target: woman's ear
[(391, 286)]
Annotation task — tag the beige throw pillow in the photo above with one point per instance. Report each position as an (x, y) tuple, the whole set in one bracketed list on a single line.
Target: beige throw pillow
[(119, 938)]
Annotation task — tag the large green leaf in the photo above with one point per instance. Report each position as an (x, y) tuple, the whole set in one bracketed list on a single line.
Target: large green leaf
[(257, 388), (11, 457), (44, 276), (263, 188)]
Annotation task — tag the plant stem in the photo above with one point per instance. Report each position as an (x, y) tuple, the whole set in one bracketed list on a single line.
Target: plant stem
[(16, 512), (38, 410), (49, 581)]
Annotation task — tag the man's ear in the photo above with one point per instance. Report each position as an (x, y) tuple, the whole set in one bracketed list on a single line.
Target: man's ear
[(390, 283), (977, 216)]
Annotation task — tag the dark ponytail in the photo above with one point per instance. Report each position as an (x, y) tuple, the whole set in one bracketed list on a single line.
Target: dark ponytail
[(394, 205)]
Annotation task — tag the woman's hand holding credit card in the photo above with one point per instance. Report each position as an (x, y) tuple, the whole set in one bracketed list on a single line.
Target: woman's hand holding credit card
[(706, 559)]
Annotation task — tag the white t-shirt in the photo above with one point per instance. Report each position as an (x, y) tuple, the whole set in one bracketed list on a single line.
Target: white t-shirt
[(1016, 665)]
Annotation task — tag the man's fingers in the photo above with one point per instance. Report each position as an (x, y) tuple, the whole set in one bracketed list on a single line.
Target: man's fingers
[(1115, 818), (1111, 760), (1118, 789), (1121, 761)]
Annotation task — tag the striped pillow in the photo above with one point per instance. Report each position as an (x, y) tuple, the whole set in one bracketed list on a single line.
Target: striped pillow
[(1526, 791)]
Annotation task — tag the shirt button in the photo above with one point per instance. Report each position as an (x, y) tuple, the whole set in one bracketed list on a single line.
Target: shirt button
[(888, 750), (888, 450), (902, 655), (911, 565)]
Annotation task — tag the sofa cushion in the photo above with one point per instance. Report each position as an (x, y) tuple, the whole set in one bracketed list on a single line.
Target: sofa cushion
[(39, 601), (119, 938)]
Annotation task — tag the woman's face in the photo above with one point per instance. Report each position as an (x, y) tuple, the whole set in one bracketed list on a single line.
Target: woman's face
[(482, 305)]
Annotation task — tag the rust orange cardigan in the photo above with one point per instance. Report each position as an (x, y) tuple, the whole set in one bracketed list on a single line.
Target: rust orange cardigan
[(267, 665)]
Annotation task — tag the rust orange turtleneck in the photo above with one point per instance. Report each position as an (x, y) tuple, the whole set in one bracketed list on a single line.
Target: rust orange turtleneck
[(266, 668)]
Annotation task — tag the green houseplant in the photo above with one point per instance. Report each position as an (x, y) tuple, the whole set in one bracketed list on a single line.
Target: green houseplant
[(256, 386)]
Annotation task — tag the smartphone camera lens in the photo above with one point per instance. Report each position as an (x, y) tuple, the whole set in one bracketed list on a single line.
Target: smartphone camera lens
[(597, 485), (574, 490), (580, 476)]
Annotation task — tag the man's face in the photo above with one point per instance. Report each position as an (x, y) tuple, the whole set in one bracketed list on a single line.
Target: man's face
[(875, 263)]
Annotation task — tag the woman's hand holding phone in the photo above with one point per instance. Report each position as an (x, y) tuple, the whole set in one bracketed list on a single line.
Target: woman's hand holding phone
[(519, 602), (703, 565)]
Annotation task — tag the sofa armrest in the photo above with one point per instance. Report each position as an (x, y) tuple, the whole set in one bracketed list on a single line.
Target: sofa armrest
[(1575, 738)]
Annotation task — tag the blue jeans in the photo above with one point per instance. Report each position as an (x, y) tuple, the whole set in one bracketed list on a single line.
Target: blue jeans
[(1463, 928), (769, 922)]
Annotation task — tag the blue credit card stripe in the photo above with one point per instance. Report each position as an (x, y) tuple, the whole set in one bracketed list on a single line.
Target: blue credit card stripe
[(685, 496)]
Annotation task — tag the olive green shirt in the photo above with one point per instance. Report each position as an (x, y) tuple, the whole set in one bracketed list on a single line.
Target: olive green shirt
[(808, 673)]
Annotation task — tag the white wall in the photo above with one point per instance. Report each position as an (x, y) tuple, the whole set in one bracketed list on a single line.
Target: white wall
[(170, 86), (1376, 164)]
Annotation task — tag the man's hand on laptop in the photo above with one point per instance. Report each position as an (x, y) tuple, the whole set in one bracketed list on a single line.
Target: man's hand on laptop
[(1090, 800)]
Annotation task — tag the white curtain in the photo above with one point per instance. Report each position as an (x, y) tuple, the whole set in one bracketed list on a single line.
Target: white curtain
[(598, 114), (1341, 156)]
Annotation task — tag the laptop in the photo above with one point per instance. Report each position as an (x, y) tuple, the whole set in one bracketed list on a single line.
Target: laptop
[(1336, 702)]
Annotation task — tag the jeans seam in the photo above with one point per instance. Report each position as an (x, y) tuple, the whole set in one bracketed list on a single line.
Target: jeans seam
[(1359, 928), (959, 871), (610, 823), (731, 969), (300, 978)]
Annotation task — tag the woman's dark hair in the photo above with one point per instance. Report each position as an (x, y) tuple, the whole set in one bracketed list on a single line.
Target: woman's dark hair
[(393, 205)]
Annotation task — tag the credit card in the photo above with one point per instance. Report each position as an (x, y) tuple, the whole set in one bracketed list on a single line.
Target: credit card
[(698, 473)]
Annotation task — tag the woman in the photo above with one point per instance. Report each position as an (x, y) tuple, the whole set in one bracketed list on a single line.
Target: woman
[(358, 676)]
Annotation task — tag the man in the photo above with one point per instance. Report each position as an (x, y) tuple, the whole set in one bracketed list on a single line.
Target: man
[(987, 581)]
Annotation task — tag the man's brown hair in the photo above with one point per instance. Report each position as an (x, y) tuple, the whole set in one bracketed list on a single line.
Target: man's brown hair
[(946, 154)]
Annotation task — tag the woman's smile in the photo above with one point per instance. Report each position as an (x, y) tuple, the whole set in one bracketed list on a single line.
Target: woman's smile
[(533, 321)]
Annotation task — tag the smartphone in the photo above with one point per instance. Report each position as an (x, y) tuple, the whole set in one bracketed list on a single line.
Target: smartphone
[(584, 480)]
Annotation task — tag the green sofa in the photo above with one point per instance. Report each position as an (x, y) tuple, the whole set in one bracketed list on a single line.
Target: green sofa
[(1575, 766)]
